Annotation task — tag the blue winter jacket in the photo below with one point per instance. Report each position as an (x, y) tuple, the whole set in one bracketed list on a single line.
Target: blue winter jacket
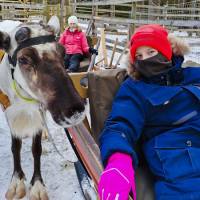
[(167, 116)]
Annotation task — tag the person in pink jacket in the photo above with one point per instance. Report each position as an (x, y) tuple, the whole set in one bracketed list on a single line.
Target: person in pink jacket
[(75, 43)]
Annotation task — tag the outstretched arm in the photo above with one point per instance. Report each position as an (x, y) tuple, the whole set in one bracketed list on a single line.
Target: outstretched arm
[(84, 43), (125, 122), (62, 39), (122, 129)]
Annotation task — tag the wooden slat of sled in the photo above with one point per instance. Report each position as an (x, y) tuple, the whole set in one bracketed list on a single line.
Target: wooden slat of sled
[(88, 151), (76, 78), (103, 51)]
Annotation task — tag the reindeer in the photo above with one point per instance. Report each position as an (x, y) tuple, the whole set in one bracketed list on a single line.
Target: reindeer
[(32, 75)]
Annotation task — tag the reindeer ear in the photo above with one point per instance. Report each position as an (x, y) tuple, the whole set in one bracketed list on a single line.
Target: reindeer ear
[(22, 34), (4, 41), (54, 23)]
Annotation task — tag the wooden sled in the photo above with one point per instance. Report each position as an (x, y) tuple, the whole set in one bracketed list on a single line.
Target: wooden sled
[(88, 152)]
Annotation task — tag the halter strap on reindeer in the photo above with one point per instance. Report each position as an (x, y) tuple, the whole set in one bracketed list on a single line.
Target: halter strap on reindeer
[(30, 42), (27, 43)]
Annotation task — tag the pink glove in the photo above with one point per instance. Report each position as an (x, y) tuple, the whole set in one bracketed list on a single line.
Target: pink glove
[(117, 180)]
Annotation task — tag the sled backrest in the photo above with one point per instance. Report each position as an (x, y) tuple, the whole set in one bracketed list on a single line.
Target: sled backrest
[(102, 87), (76, 78)]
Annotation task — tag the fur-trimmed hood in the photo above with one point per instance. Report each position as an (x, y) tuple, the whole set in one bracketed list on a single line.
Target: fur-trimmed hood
[(179, 46)]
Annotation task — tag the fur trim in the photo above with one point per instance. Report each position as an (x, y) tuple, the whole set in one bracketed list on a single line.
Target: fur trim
[(179, 46), (130, 69)]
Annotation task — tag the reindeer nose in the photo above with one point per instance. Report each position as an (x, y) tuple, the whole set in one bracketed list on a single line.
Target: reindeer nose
[(76, 108)]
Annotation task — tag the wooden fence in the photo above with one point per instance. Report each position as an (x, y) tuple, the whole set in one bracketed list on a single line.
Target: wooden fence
[(26, 10), (182, 16)]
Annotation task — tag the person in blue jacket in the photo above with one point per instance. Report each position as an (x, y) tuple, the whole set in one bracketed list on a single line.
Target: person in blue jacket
[(159, 102)]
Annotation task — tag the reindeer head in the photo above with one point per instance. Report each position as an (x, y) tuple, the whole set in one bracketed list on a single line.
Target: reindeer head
[(39, 70)]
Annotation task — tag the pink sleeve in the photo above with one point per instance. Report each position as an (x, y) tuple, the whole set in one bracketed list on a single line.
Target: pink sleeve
[(62, 39), (84, 43)]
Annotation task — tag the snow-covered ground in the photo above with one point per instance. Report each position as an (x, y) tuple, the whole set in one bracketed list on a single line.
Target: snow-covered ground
[(58, 173)]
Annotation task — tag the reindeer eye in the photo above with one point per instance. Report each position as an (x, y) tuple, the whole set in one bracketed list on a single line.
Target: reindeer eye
[(22, 34), (23, 61)]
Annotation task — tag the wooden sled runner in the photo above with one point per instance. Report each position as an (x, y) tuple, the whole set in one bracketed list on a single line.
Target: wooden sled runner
[(84, 138)]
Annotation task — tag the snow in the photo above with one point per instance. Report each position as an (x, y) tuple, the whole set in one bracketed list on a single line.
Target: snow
[(58, 173)]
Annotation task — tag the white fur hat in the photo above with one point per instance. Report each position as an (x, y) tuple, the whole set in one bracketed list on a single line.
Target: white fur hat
[(72, 19)]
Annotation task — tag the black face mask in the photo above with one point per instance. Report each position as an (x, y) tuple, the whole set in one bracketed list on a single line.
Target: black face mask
[(153, 66)]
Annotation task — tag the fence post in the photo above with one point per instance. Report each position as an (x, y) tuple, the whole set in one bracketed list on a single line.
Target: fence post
[(62, 5), (131, 29)]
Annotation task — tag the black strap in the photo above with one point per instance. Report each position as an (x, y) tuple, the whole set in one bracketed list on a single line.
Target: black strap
[(12, 68), (30, 42)]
